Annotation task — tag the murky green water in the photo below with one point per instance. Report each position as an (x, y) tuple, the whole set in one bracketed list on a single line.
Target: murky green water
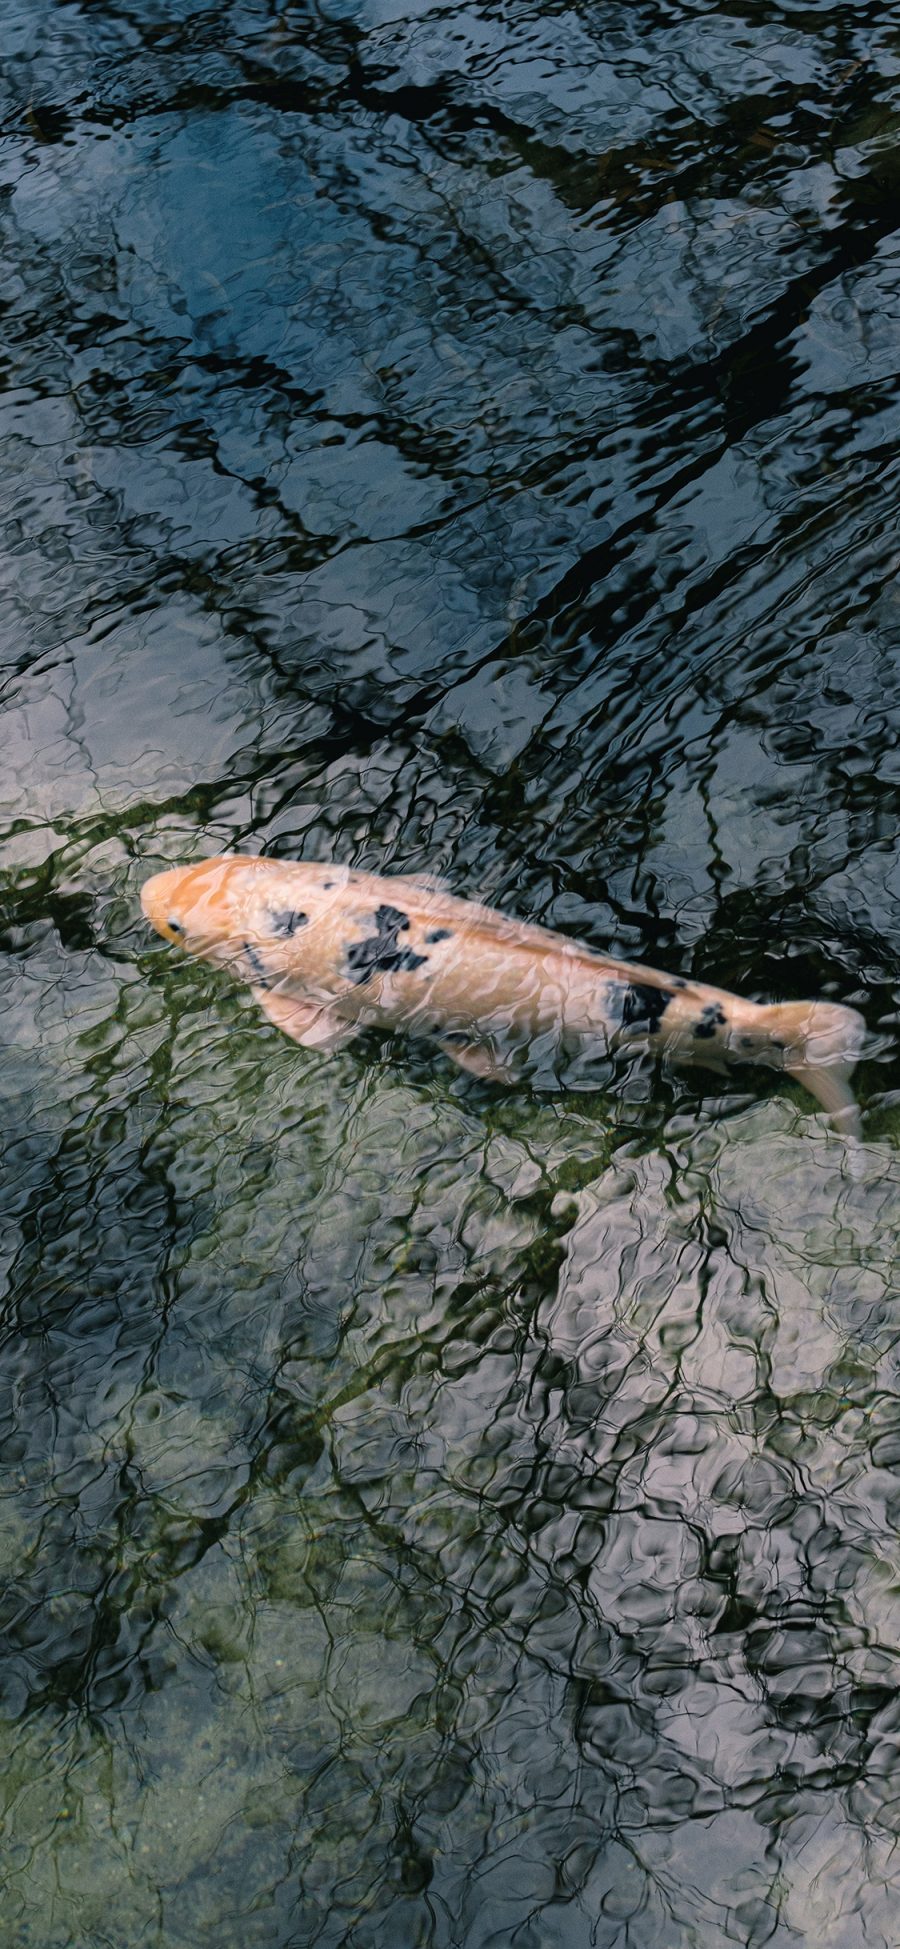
[(463, 438)]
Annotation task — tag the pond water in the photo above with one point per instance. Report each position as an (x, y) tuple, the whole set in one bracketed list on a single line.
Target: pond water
[(463, 438)]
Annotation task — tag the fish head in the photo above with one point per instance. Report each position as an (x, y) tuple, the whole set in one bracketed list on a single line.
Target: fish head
[(202, 908)]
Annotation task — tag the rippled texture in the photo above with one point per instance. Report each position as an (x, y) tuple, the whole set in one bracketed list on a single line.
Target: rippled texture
[(461, 438)]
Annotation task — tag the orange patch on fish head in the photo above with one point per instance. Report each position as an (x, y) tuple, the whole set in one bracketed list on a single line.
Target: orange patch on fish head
[(198, 907)]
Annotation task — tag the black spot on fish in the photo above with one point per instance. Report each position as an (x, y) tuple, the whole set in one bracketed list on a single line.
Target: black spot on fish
[(713, 1017), (379, 953), (327, 885), (257, 965), (439, 934), (644, 1006), (285, 921)]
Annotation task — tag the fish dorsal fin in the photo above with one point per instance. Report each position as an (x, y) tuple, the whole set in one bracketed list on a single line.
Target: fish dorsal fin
[(430, 882), (432, 904), (426, 896), (432, 901)]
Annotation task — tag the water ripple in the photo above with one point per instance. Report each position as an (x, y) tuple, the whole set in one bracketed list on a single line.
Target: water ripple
[(460, 440)]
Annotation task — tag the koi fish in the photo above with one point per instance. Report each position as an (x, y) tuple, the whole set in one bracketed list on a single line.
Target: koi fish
[(327, 951)]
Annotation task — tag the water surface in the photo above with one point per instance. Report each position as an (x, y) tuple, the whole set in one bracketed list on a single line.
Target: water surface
[(458, 438)]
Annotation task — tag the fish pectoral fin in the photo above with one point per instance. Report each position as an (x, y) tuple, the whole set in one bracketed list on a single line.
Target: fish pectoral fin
[(829, 1084), (477, 1059), (309, 1023)]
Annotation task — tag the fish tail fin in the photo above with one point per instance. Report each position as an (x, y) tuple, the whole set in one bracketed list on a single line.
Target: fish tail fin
[(822, 1043)]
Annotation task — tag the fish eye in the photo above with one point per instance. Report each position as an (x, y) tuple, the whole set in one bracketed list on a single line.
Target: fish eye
[(175, 926)]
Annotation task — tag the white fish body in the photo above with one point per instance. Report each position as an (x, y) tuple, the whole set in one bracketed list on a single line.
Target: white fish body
[(327, 950)]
